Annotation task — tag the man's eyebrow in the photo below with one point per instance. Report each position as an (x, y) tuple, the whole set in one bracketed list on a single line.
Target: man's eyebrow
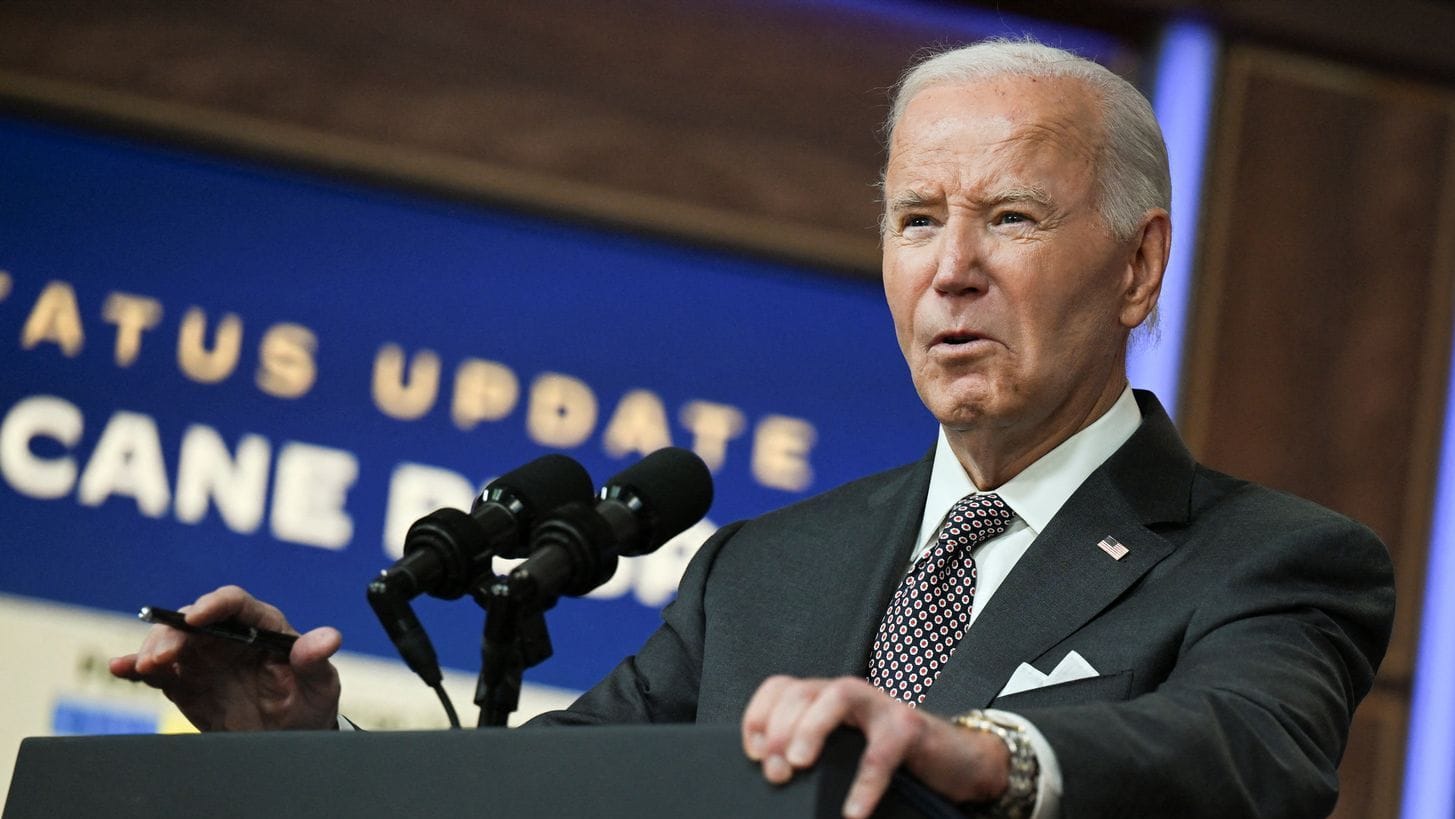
[(908, 200), (911, 200), (1010, 196)]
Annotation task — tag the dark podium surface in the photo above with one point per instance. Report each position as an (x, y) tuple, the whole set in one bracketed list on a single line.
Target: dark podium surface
[(615, 771)]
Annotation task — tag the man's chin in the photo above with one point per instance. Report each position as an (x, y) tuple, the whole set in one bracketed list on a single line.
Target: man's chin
[(967, 415), (966, 400)]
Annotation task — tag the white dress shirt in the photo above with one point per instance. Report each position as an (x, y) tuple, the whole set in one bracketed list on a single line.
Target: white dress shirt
[(1035, 495)]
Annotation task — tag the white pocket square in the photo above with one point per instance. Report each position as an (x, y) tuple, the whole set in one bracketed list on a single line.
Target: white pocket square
[(1026, 678)]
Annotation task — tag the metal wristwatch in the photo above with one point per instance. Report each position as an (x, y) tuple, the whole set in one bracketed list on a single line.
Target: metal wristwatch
[(1019, 799)]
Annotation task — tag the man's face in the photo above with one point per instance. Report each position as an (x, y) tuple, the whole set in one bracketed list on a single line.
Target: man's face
[(1009, 294)]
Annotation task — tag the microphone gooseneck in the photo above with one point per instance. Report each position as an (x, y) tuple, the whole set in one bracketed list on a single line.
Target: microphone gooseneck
[(447, 550)]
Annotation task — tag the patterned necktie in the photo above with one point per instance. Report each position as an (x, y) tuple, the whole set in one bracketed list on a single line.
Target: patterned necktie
[(931, 609)]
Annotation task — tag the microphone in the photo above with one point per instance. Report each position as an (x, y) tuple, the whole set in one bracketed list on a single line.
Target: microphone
[(447, 550), (575, 549)]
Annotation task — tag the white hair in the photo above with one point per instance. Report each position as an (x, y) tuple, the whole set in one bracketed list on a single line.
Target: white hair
[(1132, 172)]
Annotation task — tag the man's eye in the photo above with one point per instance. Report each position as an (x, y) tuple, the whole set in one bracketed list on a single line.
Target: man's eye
[(917, 221), (1011, 218)]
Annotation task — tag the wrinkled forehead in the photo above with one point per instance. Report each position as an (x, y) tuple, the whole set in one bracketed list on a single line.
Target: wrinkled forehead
[(1048, 114)]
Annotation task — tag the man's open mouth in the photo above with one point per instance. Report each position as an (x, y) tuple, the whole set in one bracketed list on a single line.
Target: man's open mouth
[(959, 338)]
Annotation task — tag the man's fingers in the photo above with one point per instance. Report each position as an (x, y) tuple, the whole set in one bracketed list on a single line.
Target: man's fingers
[(159, 650), (890, 730), (223, 685), (868, 788), (787, 721), (225, 603), (161, 677), (769, 720), (792, 702), (124, 667), (311, 653), (829, 709), (234, 603), (755, 718), (307, 688), (163, 645)]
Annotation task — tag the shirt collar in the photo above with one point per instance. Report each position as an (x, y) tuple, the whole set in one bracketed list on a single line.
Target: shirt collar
[(1041, 489)]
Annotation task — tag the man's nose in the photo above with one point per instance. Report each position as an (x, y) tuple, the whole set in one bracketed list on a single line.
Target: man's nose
[(960, 267)]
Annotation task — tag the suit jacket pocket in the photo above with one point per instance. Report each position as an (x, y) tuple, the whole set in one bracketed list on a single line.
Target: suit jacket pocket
[(1105, 688)]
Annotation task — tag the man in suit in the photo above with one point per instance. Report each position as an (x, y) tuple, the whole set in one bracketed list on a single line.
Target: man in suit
[(1144, 635)]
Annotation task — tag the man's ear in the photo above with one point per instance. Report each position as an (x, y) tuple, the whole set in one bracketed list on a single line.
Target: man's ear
[(1145, 265)]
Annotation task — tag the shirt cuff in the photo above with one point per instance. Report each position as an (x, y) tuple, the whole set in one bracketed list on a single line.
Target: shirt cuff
[(1048, 784)]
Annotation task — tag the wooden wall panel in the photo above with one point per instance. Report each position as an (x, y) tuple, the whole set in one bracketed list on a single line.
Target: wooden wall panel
[(1370, 775), (1409, 36), (749, 125), (690, 120), (1321, 335)]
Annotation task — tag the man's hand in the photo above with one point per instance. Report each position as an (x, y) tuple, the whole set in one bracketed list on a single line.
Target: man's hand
[(788, 719), (222, 686)]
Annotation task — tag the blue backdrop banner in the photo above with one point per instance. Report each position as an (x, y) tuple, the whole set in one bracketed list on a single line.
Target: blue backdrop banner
[(215, 373)]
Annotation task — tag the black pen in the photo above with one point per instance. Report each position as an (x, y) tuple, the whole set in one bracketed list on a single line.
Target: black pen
[(227, 630)]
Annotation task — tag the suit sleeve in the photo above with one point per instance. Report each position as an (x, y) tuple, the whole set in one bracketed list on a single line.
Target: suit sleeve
[(1255, 714), (660, 682)]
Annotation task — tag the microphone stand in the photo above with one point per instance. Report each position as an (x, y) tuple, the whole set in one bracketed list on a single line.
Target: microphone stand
[(515, 638)]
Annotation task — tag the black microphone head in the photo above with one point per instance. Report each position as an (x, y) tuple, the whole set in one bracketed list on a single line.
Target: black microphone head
[(441, 553), (674, 488), (530, 492)]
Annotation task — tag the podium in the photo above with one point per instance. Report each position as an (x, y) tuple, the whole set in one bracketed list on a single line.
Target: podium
[(612, 771)]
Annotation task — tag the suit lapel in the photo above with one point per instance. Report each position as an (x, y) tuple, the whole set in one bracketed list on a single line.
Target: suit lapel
[(1064, 580), (867, 562)]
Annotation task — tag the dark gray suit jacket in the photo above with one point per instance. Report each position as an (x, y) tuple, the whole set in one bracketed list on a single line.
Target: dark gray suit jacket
[(1233, 640)]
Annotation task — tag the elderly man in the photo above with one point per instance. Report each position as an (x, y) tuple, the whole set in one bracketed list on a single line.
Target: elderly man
[(1146, 636)]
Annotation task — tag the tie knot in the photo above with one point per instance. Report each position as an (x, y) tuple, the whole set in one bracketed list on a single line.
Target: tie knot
[(977, 517)]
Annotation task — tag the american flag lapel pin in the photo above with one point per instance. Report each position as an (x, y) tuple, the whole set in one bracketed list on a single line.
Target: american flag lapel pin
[(1113, 547)]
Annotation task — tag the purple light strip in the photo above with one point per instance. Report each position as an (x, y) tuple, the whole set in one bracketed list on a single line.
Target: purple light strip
[(1429, 775), (1182, 97), (961, 24)]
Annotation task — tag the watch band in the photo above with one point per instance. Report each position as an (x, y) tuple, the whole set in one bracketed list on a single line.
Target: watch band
[(1019, 799)]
